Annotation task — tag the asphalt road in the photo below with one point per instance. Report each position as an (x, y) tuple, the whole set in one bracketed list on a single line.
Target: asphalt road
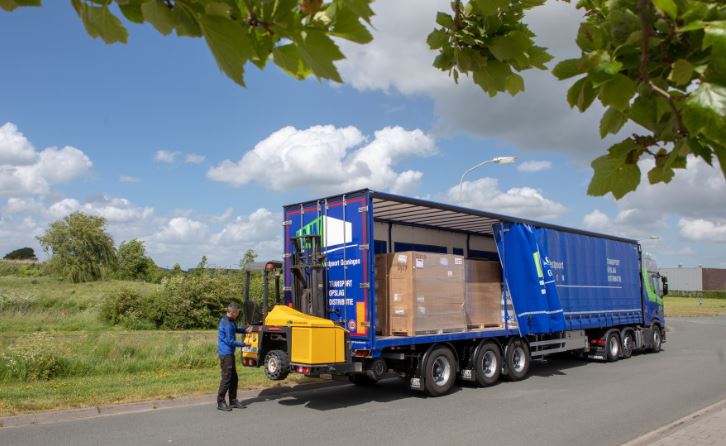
[(562, 402)]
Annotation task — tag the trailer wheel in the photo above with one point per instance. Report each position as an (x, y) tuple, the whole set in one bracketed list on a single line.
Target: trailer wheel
[(628, 344), (440, 372), (612, 347), (277, 365), (488, 364), (517, 358), (656, 339)]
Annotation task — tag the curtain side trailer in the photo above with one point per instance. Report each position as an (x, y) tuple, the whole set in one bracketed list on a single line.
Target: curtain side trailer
[(563, 290)]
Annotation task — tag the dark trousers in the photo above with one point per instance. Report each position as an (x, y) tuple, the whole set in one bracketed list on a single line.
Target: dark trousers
[(229, 379)]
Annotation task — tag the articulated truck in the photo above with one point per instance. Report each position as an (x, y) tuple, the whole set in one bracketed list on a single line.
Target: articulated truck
[(557, 290)]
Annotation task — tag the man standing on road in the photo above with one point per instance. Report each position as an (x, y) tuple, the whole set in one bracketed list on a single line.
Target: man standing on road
[(226, 344)]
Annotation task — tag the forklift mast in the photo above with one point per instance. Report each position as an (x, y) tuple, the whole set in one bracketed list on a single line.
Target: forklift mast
[(309, 276)]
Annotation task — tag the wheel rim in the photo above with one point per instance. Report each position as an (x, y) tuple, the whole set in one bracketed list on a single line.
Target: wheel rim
[(441, 371), (656, 339), (272, 365), (489, 364), (518, 359), (614, 346), (628, 343)]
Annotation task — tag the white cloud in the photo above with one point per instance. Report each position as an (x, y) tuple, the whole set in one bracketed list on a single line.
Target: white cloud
[(15, 149), (631, 223), (23, 171), (27, 205), (699, 229), (166, 157), (193, 158), (63, 207), (114, 210), (326, 158), (398, 60), (527, 202), (128, 179), (534, 166), (182, 230)]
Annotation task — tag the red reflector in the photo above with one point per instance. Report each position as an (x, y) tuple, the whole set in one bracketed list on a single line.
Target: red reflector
[(362, 353), (306, 370), (274, 328), (299, 369), (598, 341)]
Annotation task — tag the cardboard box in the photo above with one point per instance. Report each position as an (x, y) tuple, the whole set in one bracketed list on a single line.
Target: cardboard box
[(426, 293), (483, 298), (382, 266)]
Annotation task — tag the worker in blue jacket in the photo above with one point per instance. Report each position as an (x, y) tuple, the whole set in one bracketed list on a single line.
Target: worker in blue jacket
[(226, 344)]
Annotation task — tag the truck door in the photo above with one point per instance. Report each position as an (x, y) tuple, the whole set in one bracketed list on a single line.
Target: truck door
[(343, 227)]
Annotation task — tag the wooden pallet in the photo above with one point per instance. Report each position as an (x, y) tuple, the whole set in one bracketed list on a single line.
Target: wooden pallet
[(430, 332), (475, 327)]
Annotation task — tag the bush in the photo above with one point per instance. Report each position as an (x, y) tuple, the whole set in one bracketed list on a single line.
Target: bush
[(8, 268), (126, 307), (183, 302), (32, 358)]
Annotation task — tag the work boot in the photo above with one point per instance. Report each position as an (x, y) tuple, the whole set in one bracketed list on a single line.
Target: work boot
[(237, 405), (223, 406)]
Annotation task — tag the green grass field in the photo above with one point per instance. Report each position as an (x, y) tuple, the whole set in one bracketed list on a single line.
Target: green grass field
[(689, 307), (56, 353)]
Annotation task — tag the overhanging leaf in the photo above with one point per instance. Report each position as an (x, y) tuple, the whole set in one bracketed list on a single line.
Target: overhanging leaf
[(667, 6), (613, 173), (229, 44), (617, 92), (612, 121)]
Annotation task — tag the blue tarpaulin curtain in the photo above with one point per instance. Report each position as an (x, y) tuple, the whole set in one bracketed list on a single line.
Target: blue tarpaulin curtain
[(529, 278)]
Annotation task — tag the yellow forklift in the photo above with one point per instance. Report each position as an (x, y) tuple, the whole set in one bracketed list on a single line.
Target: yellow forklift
[(297, 337)]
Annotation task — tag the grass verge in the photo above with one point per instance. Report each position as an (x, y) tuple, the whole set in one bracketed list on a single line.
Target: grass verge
[(79, 391), (690, 307)]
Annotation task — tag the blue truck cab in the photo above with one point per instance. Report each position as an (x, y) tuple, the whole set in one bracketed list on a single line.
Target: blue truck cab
[(563, 289)]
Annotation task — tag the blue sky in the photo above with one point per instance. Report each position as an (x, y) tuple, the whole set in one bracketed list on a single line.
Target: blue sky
[(118, 106)]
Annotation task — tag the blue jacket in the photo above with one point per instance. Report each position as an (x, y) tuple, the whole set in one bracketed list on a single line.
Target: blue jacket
[(226, 342)]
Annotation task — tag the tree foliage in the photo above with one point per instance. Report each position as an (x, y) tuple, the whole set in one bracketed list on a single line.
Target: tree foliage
[(21, 254), (81, 249), (249, 257), (133, 263), (659, 65)]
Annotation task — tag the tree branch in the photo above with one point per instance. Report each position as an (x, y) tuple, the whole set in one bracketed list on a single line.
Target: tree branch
[(643, 7)]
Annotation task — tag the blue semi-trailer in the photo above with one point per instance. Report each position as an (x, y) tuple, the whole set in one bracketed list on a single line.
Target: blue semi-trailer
[(563, 290)]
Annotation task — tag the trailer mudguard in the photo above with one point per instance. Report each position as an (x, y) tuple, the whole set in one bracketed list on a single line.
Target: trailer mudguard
[(529, 278)]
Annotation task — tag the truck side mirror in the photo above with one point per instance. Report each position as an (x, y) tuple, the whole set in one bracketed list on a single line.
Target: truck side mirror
[(252, 314), (664, 281)]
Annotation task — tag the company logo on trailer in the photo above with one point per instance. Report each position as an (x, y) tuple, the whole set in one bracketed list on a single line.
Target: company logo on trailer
[(334, 233)]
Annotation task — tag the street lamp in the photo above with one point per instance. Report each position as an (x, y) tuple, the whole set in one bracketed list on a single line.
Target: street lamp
[(652, 237), (497, 160)]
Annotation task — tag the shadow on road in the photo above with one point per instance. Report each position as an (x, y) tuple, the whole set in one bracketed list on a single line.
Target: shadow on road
[(338, 395)]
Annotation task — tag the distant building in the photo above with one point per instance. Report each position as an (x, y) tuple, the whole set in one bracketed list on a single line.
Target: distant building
[(695, 278)]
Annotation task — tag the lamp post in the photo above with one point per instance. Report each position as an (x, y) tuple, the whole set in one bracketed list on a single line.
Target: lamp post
[(497, 160)]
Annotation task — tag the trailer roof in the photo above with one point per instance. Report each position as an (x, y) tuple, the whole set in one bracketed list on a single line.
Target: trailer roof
[(389, 207)]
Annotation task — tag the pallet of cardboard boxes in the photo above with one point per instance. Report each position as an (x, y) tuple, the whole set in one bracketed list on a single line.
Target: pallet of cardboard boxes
[(429, 293)]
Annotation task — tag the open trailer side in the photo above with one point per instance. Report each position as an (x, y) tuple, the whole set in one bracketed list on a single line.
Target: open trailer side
[(562, 289)]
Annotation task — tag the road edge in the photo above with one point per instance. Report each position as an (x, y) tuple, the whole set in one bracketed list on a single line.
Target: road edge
[(675, 426), (61, 416)]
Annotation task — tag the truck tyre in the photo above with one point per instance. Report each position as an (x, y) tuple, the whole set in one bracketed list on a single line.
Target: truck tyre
[(440, 371), (277, 365), (656, 339), (362, 380), (488, 364), (628, 344), (612, 347), (517, 359)]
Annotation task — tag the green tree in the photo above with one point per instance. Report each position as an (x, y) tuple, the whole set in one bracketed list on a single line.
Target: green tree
[(133, 263), (176, 270), (659, 64), (81, 250), (21, 254), (248, 258)]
